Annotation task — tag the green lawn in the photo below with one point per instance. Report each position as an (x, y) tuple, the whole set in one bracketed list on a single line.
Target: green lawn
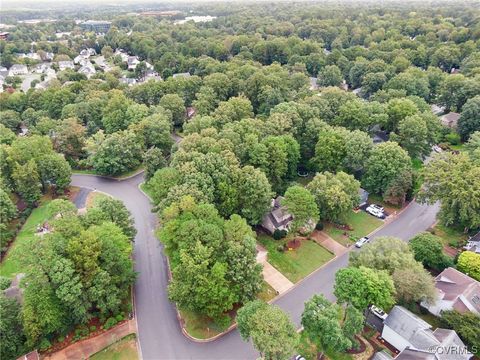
[(298, 263), (361, 223), (11, 264), (200, 326), (125, 349), (146, 189), (450, 236), (267, 292)]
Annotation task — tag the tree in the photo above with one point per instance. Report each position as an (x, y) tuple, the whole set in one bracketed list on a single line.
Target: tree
[(335, 194), (301, 204), (162, 181), (330, 149), (330, 75), (271, 331), (176, 105), (358, 146), (27, 182), (362, 287), (54, 171), (115, 211), (10, 119), (199, 283), (428, 249), (321, 322), (154, 130), (385, 253), (6, 135), (473, 147), (153, 159), (399, 109), (118, 153), (414, 284), (8, 211), (386, 161), (466, 325), (452, 179), (70, 139), (469, 263), (413, 136), (469, 121), (397, 190), (12, 336)]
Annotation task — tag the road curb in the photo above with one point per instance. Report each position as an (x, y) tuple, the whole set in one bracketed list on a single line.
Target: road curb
[(110, 177)]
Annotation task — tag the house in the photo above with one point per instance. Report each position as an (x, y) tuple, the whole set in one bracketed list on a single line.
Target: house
[(190, 112), (128, 81), (18, 69), (48, 56), (473, 244), (41, 68), (181, 75), (363, 194), (450, 120), (411, 335), (437, 110), (455, 291), (313, 83), (96, 26), (33, 355), (87, 70), (278, 218), (63, 65), (379, 136), (132, 62), (4, 35), (454, 71), (123, 55), (357, 91), (33, 56)]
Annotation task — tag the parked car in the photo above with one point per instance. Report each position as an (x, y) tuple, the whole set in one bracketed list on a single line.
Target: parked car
[(299, 357), (378, 312), (376, 210), (362, 242), (437, 148)]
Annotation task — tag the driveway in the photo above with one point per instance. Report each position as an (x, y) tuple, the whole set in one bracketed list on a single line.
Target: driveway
[(160, 336)]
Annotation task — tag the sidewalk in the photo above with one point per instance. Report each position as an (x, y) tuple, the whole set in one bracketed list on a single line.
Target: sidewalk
[(271, 275), (321, 238), (86, 348)]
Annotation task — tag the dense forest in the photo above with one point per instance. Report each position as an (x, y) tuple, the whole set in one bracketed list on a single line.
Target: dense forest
[(343, 92)]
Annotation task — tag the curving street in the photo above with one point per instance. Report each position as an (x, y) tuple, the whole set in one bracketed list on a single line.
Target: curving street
[(159, 332)]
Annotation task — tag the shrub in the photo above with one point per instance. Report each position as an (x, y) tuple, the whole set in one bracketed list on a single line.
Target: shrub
[(44, 344), (280, 248), (4, 283), (319, 226), (119, 317), (93, 328), (453, 138), (279, 234), (223, 321), (111, 322)]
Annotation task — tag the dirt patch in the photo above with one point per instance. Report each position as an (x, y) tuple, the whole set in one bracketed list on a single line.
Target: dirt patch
[(361, 346), (294, 244), (72, 193)]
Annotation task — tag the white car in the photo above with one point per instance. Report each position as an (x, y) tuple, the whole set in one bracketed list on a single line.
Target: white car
[(378, 312), (376, 211), (362, 242)]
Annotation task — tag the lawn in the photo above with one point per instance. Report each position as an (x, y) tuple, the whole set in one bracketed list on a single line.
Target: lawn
[(361, 223), (146, 189), (92, 197), (200, 326), (267, 292), (298, 263), (450, 236), (11, 264), (124, 349)]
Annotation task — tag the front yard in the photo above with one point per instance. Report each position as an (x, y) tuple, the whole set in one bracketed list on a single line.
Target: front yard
[(12, 263), (125, 349), (450, 236), (297, 263), (361, 224)]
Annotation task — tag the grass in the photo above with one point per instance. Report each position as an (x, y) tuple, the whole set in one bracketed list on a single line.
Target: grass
[(458, 147), (361, 223), (298, 263), (92, 197), (146, 189), (120, 176), (450, 236), (124, 349), (12, 263), (200, 326), (267, 292)]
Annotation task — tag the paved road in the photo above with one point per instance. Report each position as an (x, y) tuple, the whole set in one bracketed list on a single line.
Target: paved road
[(160, 336)]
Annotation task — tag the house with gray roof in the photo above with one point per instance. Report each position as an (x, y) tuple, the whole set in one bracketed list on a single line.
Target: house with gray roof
[(63, 65), (450, 120), (18, 69), (278, 218), (455, 291), (415, 339), (473, 244)]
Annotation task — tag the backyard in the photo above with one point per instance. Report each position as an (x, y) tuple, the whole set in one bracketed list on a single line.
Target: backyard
[(297, 263), (125, 349), (361, 224), (11, 264)]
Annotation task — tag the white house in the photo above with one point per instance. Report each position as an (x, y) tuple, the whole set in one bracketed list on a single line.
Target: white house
[(181, 75), (455, 291), (63, 65), (18, 69), (132, 62), (87, 70), (405, 331)]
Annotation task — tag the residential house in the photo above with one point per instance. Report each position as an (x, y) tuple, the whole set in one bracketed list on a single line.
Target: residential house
[(357, 91), (132, 62), (278, 218), (455, 291), (313, 83), (47, 56), (88, 52), (363, 195), (450, 120), (181, 75), (87, 70), (190, 112), (96, 26), (405, 331), (128, 81), (33, 56), (4, 35), (123, 55), (63, 65), (18, 69), (41, 68), (437, 110), (473, 244)]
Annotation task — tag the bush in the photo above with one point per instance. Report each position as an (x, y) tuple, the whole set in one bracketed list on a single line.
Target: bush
[(223, 321), (119, 317), (111, 322), (453, 138), (279, 234), (319, 226), (4, 283), (280, 248), (93, 328), (44, 344)]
